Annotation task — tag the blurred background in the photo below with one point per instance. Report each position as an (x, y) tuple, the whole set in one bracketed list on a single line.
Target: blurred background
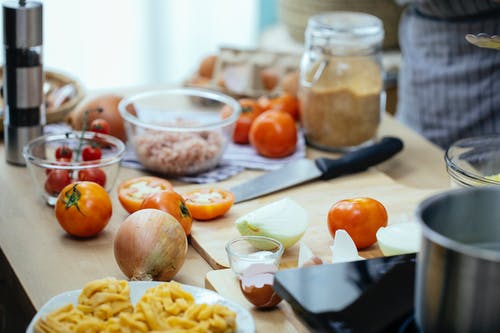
[(122, 43), (118, 43)]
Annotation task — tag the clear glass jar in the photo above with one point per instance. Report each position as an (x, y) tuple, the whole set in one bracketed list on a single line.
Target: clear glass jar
[(341, 80)]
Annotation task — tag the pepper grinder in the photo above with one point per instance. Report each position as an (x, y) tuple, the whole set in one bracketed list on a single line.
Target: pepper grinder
[(23, 76)]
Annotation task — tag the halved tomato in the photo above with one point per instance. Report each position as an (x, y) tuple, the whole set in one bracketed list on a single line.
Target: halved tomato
[(132, 192), (207, 204)]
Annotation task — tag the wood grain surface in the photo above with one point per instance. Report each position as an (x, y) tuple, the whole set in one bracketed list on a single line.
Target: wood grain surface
[(45, 259), (316, 197)]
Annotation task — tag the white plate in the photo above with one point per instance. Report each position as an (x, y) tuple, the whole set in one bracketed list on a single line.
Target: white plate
[(244, 320)]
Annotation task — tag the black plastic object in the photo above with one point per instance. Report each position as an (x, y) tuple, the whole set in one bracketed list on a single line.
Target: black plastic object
[(360, 159), (368, 296)]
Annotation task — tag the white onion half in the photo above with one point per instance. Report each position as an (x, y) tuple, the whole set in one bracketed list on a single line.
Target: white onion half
[(284, 220), (399, 238)]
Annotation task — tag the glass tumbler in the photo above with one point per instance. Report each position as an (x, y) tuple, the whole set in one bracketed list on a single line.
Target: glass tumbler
[(245, 251)]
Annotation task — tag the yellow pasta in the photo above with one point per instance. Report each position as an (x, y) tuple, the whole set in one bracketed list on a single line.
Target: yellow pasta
[(104, 306), (105, 298)]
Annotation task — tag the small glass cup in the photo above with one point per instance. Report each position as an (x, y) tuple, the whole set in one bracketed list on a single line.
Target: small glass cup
[(245, 251)]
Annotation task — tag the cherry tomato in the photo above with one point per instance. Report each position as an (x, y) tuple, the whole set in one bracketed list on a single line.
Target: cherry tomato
[(99, 125), (173, 203), (90, 153), (56, 180), (96, 175), (63, 152), (286, 103), (250, 109), (83, 209), (273, 134), (207, 204), (360, 217), (62, 160), (132, 192)]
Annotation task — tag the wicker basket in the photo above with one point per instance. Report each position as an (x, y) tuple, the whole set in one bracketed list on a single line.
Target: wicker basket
[(295, 13)]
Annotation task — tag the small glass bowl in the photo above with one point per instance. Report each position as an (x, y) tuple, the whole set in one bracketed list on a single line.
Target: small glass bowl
[(245, 251), (50, 175), (178, 132), (474, 161)]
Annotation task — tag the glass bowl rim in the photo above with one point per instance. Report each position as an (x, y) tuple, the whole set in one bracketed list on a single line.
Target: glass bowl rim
[(187, 92), (52, 164), (276, 254), (455, 170)]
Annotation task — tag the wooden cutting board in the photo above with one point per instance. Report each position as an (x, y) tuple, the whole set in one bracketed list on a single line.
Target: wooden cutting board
[(209, 238)]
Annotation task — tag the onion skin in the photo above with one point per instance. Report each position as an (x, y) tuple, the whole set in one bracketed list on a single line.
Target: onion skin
[(150, 245)]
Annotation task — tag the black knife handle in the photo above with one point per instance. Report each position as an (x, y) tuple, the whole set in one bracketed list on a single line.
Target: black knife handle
[(360, 159)]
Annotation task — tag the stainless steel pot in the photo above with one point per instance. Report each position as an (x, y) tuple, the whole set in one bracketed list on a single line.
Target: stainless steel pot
[(458, 266)]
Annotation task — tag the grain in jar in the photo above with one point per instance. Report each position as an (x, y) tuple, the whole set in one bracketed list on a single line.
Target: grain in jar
[(341, 80)]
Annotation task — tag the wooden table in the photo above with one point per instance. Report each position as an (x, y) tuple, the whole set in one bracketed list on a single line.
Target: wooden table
[(419, 166), (46, 262)]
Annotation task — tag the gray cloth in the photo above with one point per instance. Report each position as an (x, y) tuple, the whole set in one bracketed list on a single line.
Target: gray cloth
[(449, 89)]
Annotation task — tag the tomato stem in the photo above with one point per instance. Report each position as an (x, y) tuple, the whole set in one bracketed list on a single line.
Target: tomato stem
[(72, 198), (84, 128), (184, 210)]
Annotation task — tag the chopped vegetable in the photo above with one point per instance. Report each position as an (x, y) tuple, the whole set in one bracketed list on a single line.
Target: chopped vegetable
[(208, 204), (284, 220)]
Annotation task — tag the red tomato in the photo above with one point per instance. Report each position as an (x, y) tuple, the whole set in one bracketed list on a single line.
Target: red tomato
[(56, 180), (63, 152), (286, 103), (99, 125), (62, 160), (207, 204), (173, 203), (242, 128), (250, 109), (360, 217), (273, 134), (132, 192), (264, 103), (96, 175), (83, 209), (90, 153)]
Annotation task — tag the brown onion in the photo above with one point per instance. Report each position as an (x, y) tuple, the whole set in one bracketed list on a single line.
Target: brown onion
[(150, 245), (104, 107)]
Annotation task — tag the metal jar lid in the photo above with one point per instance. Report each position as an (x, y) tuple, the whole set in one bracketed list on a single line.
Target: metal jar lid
[(22, 24)]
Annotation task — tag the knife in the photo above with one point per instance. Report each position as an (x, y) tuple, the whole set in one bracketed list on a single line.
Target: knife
[(303, 170)]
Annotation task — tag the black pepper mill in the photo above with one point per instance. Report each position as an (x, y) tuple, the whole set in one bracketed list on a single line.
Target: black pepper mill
[(23, 76)]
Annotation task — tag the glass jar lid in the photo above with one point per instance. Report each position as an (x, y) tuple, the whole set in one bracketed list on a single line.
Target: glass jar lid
[(346, 29)]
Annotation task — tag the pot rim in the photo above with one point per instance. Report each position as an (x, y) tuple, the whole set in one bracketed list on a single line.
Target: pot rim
[(446, 242)]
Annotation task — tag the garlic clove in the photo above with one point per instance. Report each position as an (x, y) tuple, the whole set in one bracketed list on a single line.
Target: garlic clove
[(343, 248)]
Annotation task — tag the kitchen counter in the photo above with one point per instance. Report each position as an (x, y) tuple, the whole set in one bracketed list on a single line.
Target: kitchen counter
[(44, 261)]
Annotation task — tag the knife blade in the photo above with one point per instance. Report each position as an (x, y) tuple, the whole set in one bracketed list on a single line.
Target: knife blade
[(304, 170)]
